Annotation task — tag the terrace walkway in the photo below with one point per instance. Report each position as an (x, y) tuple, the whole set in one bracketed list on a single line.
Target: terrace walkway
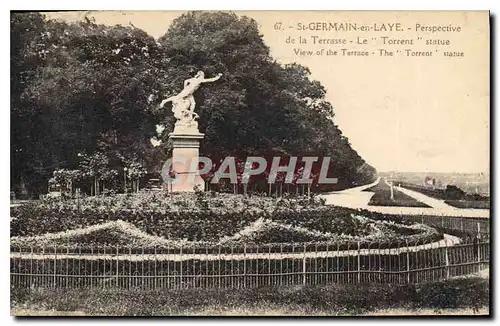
[(356, 198)]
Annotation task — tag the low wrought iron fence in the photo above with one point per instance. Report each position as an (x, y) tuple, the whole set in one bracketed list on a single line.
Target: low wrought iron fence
[(246, 266), (463, 225)]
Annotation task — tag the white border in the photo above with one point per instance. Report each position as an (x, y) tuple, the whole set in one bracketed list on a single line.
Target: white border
[(256, 5), (199, 5)]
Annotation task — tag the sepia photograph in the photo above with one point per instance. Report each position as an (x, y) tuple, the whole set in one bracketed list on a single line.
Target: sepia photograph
[(250, 163)]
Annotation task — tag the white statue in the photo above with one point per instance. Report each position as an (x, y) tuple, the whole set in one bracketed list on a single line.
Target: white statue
[(183, 104)]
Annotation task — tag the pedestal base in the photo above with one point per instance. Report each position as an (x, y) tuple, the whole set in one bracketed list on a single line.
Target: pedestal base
[(185, 158)]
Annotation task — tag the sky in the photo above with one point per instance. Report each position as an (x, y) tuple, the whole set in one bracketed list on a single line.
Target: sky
[(408, 114)]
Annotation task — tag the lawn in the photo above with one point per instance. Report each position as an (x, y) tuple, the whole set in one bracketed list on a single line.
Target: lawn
[(382, 197), (452, 196)]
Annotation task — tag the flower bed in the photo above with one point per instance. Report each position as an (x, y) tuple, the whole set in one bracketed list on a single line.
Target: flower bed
[(192, 216), (261, 232), (178, 202), (115, 233), (274, 221)]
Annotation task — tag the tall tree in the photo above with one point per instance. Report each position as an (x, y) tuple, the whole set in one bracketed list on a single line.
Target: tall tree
[(258, 106), (84, 87), (94, 89), (26, 57)]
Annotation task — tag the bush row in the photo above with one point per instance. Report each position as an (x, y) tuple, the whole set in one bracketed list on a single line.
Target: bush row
[(335, 299)]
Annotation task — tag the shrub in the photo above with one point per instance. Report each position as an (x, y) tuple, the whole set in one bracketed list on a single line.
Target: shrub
[(476, 204), (335, 299), (453, 193)]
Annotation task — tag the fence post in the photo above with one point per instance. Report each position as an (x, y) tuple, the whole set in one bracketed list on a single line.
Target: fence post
[(199, 267), (359, 263), (232, 271), (91, 266), (156, 272), (478, 251), (129, 279), (67, 268), (442, 222), (143, 278), (304, 267), (180, 273), (55, 265), (407, 262), (245, 265), (379, 264), (269, 267), (103, 283), (31, 278), (219, 272), (447, 260), (281, 267), (462, 224), (116, 266), (478, 246)]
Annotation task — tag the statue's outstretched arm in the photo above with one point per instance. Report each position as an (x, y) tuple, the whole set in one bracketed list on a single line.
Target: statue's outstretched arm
[(209, 80)]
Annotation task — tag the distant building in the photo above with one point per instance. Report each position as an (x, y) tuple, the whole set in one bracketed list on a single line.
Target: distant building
[(432, 183), (429, 182)]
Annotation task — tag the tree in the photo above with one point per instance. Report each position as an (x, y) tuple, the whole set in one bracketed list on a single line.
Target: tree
[(84, 87), (135, 172), (453, 193), (93, 89), (26, 30), (95, 168), (258, 107), (64, 180)]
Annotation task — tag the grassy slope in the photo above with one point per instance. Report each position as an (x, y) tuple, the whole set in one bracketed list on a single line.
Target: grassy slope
[(471, 294), (382, 197), (468, 201)]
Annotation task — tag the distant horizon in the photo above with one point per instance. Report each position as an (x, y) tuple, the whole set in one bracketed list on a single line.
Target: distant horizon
[(394, 171)]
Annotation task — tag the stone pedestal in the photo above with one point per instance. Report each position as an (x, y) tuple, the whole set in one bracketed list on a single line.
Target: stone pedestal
[(185, 151)]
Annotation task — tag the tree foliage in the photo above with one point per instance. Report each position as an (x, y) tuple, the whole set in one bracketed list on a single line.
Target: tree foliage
[(259, 107), (84, 87)]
